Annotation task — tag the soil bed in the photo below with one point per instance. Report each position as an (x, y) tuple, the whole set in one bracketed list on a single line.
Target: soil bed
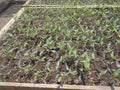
[(75, 2), (64, 46)]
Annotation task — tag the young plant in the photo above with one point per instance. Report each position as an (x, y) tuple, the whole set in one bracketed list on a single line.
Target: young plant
[(118, 42), (9, 51), (112, 56), (103, 72), (72, 52), (83, 38), (73, 73), (86, 63), (62, 59), (68, 34), (62, 76), (98, 23), (49, 71), (116, 74), (49, 42), (61, 45), (37, 73), (28, 68), (108, 48), (32, 56)]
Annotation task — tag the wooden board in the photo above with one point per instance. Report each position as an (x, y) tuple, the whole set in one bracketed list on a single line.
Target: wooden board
[(29, 86), (72, 6), (11, 22)]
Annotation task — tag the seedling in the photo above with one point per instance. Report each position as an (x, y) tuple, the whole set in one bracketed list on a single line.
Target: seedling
[(103, 72), (48, 43), (49, 71), (62, 59), (116, 74), (86, 63), (21, 70), (9, 51), (61, 45), (37, 73), (108, 48), (72, 52), (62, 76), (74, 73), (32, 56), (28, 68), (98, 23), (112, 56), (118, 42)]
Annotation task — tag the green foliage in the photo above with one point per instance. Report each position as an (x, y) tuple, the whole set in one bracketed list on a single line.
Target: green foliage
[(61, 45), (8, 50), (49, 71), (28, 68), (37, 73), (103, 72), (86, 63), (116, 74)]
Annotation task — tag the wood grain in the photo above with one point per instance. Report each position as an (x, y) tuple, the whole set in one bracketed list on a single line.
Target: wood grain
[(30, 86), (72, 6)]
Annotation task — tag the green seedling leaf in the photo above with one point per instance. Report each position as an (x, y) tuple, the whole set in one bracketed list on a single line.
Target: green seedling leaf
[(59, 79), (74, 73), (112, 56), (116, 74), (62, 59), (21, 70), (108, 48), (118, 42), (64, 74), (49, 71), (61, 45), (86, 63), (37, 73), (98, 22), (8, 50), (72, 52), (103, 72), (48, 43), (28, 68)]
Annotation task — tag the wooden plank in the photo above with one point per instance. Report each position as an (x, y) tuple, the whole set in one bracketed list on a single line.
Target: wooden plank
[(72, 6), (11, 22), (30, 86)]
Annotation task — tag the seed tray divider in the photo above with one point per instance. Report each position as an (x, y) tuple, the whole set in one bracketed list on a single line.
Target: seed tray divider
[(72, 6), (11, 22), (31, 86)]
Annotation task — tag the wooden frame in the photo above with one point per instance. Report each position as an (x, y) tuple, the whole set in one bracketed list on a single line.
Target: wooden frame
[(11, 22), (30, 86), (71, 6)]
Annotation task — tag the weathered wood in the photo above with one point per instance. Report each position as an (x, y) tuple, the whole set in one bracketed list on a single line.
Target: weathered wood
[(30, 86), (72, 6), (11, 22)]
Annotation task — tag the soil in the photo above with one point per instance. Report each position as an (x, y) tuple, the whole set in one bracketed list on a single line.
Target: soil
[(8, 13), (54, 46)]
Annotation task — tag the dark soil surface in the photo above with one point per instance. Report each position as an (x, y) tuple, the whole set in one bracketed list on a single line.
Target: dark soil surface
[(75, 2), (8, 13), (64, 46)]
